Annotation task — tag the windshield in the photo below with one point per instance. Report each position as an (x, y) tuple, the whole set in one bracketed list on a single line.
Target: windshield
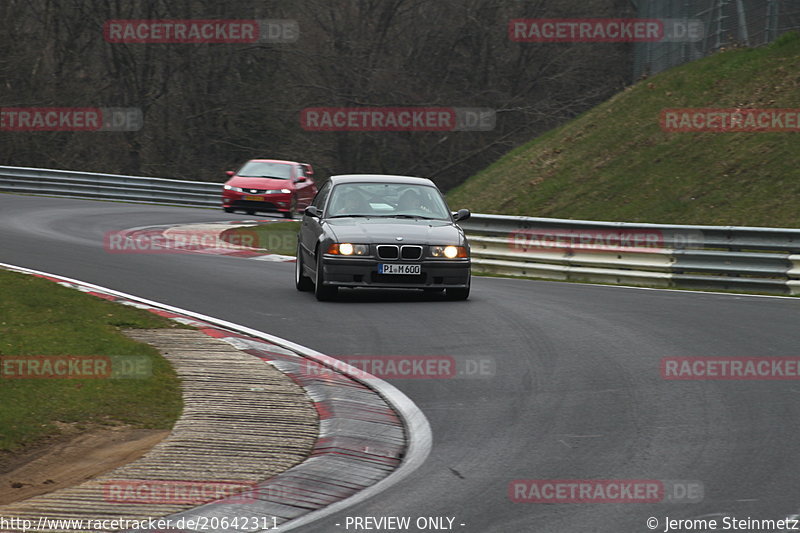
[(396, 200), (262, 169)]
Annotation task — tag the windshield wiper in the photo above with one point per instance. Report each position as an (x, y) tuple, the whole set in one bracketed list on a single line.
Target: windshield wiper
[(350, 216), (411, 216)]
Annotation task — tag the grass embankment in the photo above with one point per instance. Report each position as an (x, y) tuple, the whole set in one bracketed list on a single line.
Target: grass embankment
[(615, 162), (38, 317)]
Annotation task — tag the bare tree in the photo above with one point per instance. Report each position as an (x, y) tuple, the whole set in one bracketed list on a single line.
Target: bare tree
[(210, 106)]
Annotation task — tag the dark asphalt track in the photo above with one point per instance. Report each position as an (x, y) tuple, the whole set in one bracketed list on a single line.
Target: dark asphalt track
[(577, 392)]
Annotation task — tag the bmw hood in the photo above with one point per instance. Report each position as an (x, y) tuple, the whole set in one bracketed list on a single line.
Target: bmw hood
[(387, 230)]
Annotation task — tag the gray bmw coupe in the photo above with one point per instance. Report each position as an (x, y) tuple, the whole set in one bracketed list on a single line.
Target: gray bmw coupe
[(383, 232)]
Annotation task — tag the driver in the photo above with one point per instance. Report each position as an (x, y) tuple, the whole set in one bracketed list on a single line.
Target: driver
[(409, 201), (354, 204)]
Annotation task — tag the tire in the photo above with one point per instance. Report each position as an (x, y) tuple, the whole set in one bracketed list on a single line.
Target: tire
[(321, 291), (460, 293), (250, 211), (292, 208), (302, 282), (228, 209)]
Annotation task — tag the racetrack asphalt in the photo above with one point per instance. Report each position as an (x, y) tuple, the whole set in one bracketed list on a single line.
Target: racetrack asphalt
[(576, 391)]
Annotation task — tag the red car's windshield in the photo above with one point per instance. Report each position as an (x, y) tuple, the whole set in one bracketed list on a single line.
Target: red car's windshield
[(264, 169)]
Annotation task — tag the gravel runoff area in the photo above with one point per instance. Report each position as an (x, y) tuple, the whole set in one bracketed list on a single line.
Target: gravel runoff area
[(243, 421)]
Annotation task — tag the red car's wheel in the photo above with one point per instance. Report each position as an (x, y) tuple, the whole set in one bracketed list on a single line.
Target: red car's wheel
[(292, 208)]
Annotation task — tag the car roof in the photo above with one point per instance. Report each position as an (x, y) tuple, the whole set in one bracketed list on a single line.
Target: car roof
[(373, 178), (275, 161)]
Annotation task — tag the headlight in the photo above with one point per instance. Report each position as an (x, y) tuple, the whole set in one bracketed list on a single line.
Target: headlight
[(229, 188), (279, 191), (449, 252), (346, 248)]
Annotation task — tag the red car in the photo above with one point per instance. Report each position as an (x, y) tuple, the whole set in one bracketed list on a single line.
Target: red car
[(269, 185)]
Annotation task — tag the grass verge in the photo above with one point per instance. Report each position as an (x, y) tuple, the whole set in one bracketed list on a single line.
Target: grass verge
[(39, 317)]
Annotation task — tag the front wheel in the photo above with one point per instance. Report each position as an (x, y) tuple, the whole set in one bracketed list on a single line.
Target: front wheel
[(301, 281), (292, 208), (228, 209), (321, 291)]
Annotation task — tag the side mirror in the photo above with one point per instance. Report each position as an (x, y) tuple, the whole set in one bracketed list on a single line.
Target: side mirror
[(462, 214), (301, 179), (229, 173), (311, 211)]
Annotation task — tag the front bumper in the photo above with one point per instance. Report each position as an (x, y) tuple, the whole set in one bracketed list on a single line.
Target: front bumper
[(363, 272), (268, 202)]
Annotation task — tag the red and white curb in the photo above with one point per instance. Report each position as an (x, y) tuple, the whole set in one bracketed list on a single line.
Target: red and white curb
[(371, 434), (211, 230)]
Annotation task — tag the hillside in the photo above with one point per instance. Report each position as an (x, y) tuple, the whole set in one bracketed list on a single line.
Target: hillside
[(615, 162)]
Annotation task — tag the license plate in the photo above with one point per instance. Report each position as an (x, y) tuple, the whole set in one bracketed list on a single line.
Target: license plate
[(391, 268), (255, 198)]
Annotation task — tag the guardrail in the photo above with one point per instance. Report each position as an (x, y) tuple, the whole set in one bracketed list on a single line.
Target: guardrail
[(110, 186), (765, 260)]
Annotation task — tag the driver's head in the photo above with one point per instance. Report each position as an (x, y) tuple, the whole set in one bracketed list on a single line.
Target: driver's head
[(355, 203), (408, 200)]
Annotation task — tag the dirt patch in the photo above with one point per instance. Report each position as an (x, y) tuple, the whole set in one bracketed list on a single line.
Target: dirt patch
[(74, 458)]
